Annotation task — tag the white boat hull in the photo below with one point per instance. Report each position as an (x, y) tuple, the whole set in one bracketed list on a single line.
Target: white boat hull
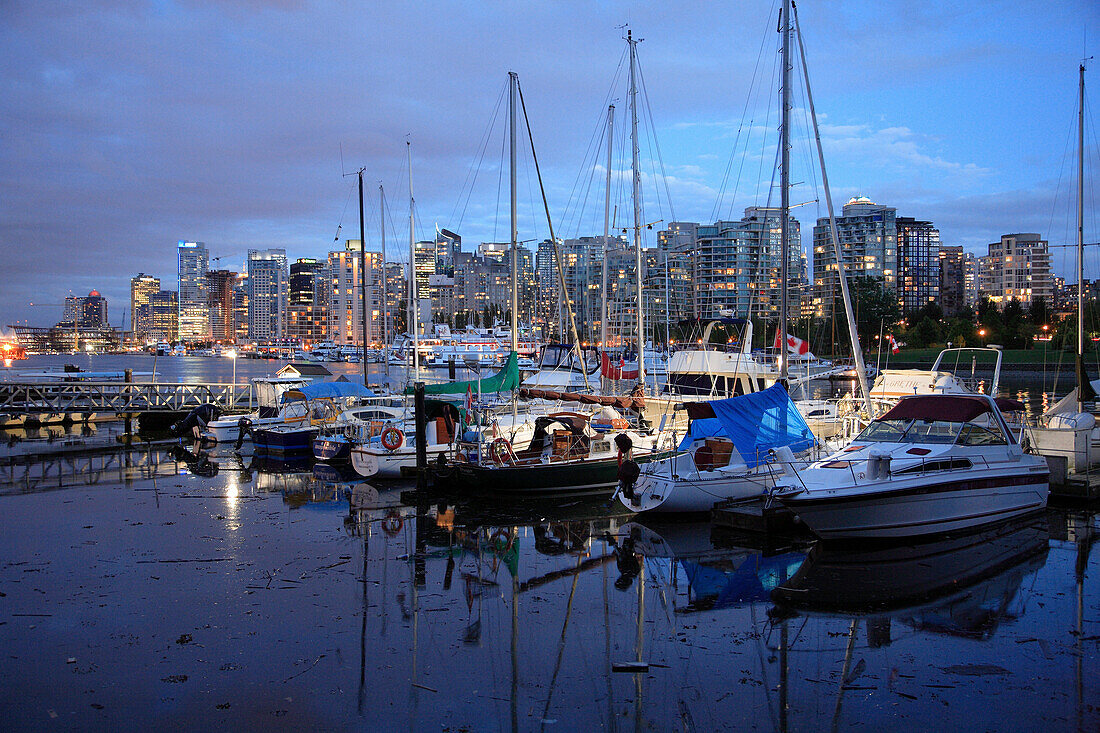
[(381, 463), (921, 505), (675, 485)]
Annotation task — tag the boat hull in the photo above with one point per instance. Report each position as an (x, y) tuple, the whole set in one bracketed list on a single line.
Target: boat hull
[(566, 478), (331, 448), (921, 505), (659, 489), (375, 462), (284, 441)]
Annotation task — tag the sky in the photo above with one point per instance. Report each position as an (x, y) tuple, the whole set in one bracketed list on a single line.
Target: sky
[(127, 126)]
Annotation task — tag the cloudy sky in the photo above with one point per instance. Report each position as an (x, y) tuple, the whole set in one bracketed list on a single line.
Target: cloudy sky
[(127, 125)]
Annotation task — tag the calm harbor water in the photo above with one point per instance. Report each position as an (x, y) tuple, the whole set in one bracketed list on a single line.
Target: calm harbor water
[(167, 586)]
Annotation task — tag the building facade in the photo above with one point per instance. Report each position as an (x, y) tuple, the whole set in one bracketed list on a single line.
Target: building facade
[(918, 257), (219, 300), (161, 316), (268, 291), (194, 312), (307, 312), (952, 293), (1017, 267), (142, 286), (867, 234)]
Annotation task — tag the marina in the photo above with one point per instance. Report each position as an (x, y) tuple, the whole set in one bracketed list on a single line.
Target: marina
[(648, 433)]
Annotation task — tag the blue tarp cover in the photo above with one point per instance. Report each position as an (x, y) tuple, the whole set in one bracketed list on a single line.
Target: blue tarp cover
[(327, 391), (756, 423)]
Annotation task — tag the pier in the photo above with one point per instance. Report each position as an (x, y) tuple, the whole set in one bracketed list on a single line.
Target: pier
[(120, 398)]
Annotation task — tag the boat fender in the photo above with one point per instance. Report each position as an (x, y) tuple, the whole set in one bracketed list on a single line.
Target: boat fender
[(878, 466), (1074, 421), (784, 456), (624, 444), (392, 438), (628, 476)]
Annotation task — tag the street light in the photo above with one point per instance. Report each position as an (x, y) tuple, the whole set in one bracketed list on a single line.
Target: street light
[(981, 332), (232, 354)]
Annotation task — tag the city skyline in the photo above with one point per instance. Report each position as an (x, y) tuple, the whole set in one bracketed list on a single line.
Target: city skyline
[(138, 127)]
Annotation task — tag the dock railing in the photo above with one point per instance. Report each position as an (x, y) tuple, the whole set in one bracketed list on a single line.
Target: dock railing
[(18, 398)]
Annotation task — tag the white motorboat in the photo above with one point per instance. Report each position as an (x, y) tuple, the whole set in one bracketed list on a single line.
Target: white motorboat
[(269, 393), (933, 463), (734, 449), (710, 370)]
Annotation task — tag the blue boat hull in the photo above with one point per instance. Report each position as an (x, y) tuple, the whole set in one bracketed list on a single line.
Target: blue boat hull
[(284, 441), (331, 448)]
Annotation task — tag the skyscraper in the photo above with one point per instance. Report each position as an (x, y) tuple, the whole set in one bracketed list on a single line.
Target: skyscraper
[(918, 278), (868, 240), (194, 313), (219, 299), (267, 294), (141, 287), (1017, 267), (952, 295), (310, 289)]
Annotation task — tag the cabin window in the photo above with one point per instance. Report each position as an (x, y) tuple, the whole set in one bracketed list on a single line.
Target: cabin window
[(947, 464), (977, 435)]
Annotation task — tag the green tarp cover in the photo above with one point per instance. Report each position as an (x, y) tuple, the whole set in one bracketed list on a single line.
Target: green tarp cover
[(506, 380)]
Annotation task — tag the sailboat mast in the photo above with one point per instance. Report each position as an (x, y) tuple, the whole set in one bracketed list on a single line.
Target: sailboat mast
[(853, 334), (513, 81), (414, 317), (637, 194), (784, 188), (363, 278), (606, 229), (385, 288), (1080, 234)]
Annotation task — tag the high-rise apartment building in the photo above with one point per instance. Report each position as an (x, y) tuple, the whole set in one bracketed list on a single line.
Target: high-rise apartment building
[(1017, 267), (89, 311), (194, 312), (952, 294), (345, 320), (161, 315), (868, 243), (141, 287), (240, 307), (918, 257), (267, 294), (219, 300), (737, 266), (310, 289)]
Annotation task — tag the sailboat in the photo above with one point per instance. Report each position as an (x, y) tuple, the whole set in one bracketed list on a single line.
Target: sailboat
[(1070, 437), (744, 443)]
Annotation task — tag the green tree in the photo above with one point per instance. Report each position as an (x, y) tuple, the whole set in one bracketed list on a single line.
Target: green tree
[(876, 307)]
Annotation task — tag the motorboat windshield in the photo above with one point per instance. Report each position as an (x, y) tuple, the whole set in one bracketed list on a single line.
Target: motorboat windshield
[(939, 419)]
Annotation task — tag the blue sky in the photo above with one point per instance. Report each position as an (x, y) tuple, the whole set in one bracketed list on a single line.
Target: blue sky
[(130, 125)]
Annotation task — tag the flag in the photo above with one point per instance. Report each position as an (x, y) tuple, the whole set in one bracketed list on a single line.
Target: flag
[(795, 345), (893, 344), (469, 398)]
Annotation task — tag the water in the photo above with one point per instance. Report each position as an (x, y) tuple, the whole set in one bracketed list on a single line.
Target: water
[(164, 584)]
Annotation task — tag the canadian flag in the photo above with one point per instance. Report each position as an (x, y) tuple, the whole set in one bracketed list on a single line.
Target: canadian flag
[(893, 344), (795, 345)]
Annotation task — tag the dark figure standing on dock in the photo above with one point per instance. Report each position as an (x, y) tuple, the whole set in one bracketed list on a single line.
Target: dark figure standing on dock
[(196, 421)]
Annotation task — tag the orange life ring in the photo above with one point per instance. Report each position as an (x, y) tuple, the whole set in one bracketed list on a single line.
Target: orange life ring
[(392, 438), (500, 450), (392, 523)]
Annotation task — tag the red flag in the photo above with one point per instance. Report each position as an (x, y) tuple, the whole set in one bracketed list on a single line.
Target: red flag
[(469, 398), (893, 344), (795, 345)]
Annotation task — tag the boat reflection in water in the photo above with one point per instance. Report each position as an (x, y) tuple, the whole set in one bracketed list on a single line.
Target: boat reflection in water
[(718, 577), (962, 585)]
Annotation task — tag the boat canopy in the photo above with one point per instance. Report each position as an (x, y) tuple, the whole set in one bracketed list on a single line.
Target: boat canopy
[(506, 380), (945, 408), (756, 423), (327, 391)]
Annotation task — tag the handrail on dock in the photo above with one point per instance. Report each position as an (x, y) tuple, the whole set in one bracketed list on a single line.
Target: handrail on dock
[(17, 398)]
